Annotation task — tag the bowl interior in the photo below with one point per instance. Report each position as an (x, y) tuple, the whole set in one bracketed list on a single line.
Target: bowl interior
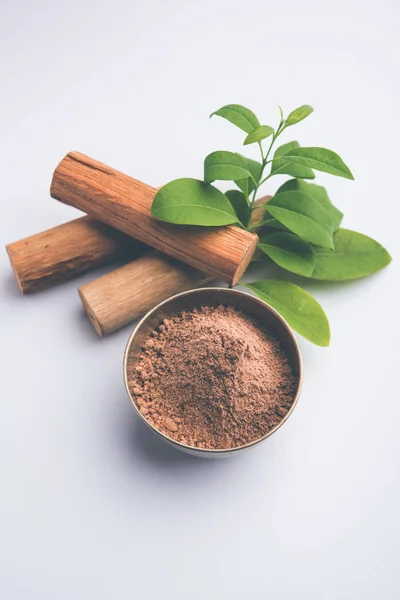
[(250, 305)]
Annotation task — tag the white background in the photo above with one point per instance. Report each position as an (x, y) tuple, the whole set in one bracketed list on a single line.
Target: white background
[(91, 504)]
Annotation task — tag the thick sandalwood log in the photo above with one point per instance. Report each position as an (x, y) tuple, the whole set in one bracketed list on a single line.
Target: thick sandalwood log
[(63, 252), (125, 203), (119, 297)]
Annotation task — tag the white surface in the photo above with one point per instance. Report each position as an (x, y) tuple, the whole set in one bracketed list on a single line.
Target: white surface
[(91, 505)]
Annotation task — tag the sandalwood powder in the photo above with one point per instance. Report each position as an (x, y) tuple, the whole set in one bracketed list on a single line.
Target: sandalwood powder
[(213, 378)]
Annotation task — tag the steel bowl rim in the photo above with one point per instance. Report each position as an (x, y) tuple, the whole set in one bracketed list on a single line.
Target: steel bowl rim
[(215, 451)]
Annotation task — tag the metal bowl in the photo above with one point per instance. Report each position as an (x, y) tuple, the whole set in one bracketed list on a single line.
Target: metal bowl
[(251, 306)]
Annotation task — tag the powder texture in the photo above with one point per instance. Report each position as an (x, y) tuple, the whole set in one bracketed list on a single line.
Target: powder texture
[(213, 378)]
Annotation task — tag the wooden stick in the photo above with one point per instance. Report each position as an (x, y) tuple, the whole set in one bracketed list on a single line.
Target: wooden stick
[(68, 250), (125, 204), (63, 252), (119, 297)]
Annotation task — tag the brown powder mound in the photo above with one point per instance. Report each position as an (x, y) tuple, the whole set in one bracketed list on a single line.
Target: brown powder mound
[(213, 378)]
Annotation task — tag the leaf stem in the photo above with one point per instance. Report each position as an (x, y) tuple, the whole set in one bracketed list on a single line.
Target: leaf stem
[(265, 160), (261, 150)]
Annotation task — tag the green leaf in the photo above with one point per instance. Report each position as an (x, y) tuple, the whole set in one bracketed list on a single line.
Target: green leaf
[(320, 159), (224, 165), (298, 115), (355, 255), (248, 185), (282, 165), (319, 193), (239, 115), (261, 133), (289, 252), (303, 313), (281, 112), (192, 202), (239, 203), (303, 215), (272, 223), (243, 185)]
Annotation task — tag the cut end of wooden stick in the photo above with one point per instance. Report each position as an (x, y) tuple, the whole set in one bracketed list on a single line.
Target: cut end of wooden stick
[(247, 256), (92, 317), (14, 267), (118, 298), (65, 251)]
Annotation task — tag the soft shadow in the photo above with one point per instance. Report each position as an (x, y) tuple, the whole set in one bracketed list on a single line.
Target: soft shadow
[(137, 442), (86, 333), (10, 287), (85, 329)]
